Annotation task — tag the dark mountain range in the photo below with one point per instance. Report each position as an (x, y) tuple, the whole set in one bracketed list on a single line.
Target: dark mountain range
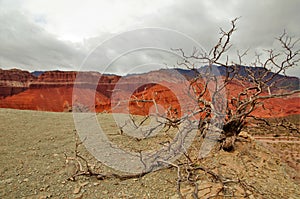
[(37, 73), (282, 81)]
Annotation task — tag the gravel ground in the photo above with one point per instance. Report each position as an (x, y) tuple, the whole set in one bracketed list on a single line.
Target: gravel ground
[(34, 146)]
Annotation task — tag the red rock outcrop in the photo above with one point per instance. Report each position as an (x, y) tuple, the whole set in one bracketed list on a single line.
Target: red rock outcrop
[(14, 81), (57, 99), (180, 102), (53, 91)]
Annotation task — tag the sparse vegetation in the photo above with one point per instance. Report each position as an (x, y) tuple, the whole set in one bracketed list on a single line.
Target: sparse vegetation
[(257, 83), (222, 114)]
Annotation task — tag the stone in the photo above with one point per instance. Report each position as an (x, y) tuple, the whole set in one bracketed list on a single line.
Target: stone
[(186, 190), (245, 135), (6, 181), (174, 197), (248, 192), (77, 190), (84, 184), (251, 197), (79, 197), (207, 189)]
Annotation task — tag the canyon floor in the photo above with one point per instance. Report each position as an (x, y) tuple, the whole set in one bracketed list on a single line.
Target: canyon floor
[(34, 147)]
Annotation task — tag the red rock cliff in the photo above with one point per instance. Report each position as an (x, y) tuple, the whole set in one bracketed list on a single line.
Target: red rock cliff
[(14, 81), (53, 91)]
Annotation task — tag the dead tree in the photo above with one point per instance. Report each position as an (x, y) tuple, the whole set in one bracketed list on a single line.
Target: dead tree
[(254, 83)]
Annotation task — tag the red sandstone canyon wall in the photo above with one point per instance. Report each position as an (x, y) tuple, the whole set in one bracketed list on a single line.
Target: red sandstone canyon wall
[(53, 91)]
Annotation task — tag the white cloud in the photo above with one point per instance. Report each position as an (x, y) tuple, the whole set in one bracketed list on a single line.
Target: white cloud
[(76, 20)]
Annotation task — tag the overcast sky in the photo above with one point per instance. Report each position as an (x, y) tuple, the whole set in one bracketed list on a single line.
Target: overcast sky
[(118, 36)]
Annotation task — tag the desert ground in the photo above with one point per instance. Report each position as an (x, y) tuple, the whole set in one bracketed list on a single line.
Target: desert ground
[(36, 150)]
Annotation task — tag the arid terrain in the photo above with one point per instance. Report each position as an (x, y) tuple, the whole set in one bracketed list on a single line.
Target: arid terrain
[(149, 99), (41, 155), (34, 147)]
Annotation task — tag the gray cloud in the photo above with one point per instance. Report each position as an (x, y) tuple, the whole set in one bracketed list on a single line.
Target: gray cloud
[(140, 47), (260, 22), (26, 44)]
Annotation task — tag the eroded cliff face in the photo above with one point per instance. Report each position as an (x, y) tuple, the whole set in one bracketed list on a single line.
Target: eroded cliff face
[(52, 90), (14, 81), (161, 91)]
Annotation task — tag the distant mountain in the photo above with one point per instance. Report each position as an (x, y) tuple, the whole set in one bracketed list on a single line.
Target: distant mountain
[(37, 73), (286, 82)]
